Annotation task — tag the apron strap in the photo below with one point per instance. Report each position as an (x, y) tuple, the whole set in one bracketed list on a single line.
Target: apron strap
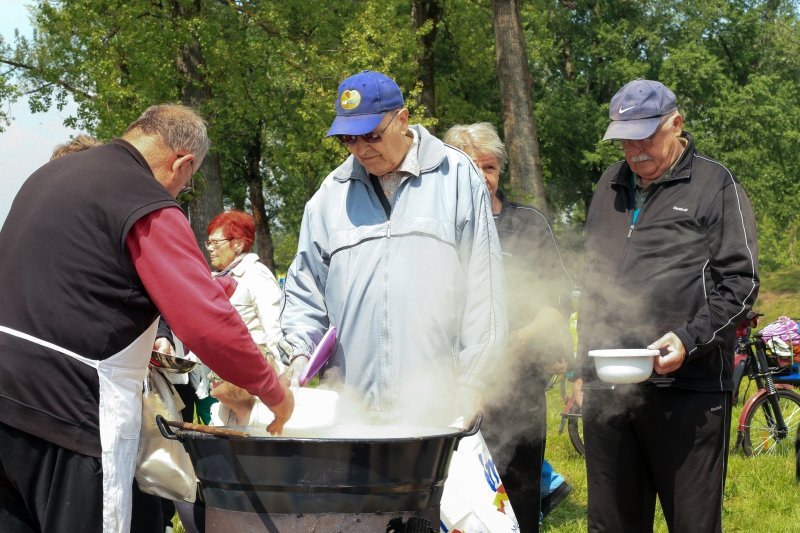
[(50, 345)]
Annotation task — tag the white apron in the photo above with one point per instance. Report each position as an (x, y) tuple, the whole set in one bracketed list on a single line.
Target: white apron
[(121, 377)]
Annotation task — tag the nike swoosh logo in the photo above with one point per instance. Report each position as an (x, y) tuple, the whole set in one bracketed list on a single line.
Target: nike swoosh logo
[(624, 109)]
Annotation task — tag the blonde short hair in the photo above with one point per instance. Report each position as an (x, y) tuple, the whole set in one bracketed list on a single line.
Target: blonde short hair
[(476, 140), (78, 144)]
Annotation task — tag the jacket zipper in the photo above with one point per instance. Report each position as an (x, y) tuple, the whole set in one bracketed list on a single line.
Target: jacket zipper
[(633, 225)]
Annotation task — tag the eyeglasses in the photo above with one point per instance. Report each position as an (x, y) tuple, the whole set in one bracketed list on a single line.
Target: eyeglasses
[(214, 243), (371, 137), (642, 144), (189, 187)]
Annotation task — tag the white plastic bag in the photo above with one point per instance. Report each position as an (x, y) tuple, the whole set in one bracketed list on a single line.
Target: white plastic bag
[(163, 466), (474, 499)]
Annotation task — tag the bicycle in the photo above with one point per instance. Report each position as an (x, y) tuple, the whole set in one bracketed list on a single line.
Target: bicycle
[(571, 417), (770, 417), (740, 357)]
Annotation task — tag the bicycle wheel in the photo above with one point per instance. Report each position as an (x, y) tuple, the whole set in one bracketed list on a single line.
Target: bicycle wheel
[(760, 432), (575, 429)]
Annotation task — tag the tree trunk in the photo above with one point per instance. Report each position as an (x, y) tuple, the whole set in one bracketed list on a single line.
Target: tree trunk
[(421, 12), (206, 203), (522, 140), (255, 191)]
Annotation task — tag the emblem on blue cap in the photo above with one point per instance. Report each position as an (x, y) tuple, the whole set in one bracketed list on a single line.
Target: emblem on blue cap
[(350, 99)]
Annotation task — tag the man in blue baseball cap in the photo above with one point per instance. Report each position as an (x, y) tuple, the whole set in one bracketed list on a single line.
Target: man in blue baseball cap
[(397, 250), (672, 265), (367, 105)]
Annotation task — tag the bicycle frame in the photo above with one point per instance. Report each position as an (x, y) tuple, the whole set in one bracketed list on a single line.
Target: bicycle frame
[(743, 353), (570, 416), (567, 413), (762, 374)]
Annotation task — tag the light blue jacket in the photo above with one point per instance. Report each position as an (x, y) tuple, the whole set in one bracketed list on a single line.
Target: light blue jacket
[(420, 293)]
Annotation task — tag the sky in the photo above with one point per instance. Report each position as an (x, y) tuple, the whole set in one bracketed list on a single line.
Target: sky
[(27, 143)]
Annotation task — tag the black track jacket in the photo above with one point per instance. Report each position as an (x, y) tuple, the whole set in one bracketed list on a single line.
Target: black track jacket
[(688, 265)]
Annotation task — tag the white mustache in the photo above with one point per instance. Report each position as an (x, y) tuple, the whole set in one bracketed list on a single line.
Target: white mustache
[(640, 158)]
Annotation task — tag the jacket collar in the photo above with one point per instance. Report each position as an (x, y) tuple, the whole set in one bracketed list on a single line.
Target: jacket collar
[(682, 169), (430, 155), (239, 265)]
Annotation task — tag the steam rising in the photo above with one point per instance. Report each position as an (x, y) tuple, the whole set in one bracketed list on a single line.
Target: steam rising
[(427, 396)]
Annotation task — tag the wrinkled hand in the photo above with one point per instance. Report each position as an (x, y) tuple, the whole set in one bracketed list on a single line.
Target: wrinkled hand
[(577, 391), (676, 354), (547, 334), (238, 400), (557, 367), (163, 345), (282, 411), (295, 369)]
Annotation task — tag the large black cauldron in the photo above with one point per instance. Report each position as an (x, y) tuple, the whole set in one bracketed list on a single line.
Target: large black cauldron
[(321, 475)]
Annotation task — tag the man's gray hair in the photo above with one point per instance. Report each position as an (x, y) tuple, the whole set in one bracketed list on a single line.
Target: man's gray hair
[(476, 140), (180, 127)]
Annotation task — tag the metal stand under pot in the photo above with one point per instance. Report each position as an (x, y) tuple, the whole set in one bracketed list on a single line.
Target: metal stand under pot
[(406, 522)]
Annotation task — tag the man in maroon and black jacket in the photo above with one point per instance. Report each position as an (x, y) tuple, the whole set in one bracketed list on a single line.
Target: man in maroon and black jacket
[(671, 264), (94, 249)]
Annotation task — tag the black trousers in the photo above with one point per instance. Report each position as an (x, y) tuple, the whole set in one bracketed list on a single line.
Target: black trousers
[(148, 515), (644, 442), (797, 453), (515, 435), (45, 488)]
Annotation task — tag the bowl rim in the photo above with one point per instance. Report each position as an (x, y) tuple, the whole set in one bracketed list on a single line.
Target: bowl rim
[(624, 352), (171, 363)]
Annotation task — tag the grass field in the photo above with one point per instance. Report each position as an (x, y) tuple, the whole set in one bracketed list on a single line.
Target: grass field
[(761, 494)]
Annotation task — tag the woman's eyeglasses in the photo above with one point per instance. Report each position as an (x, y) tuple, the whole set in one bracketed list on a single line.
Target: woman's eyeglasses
[(371, 137), (214, 243)]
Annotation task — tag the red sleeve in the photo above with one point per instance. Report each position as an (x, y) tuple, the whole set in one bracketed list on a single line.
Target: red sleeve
[(175, 274)]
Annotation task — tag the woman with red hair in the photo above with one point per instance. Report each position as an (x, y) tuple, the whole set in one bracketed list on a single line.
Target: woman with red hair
[(257, 296)]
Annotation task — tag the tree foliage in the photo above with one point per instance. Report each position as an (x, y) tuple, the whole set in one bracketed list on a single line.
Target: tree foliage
[(265, 75)]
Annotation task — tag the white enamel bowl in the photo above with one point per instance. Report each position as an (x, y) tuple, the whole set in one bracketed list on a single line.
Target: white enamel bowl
[(623, 365)]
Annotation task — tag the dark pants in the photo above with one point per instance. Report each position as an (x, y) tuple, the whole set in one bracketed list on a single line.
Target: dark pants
[(643, 441), (797, 453), (192, 515), (44, 487), (148, 515), (515, 435), (188, 397)]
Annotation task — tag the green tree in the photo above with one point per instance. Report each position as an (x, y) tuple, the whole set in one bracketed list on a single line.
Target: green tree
[(265, 74)]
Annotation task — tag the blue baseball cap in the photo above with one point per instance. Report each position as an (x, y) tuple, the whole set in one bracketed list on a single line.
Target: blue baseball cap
[(362, 101), (637, 108)]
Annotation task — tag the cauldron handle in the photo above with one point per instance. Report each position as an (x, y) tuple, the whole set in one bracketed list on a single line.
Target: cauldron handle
[(164, 428), (475, 425)]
